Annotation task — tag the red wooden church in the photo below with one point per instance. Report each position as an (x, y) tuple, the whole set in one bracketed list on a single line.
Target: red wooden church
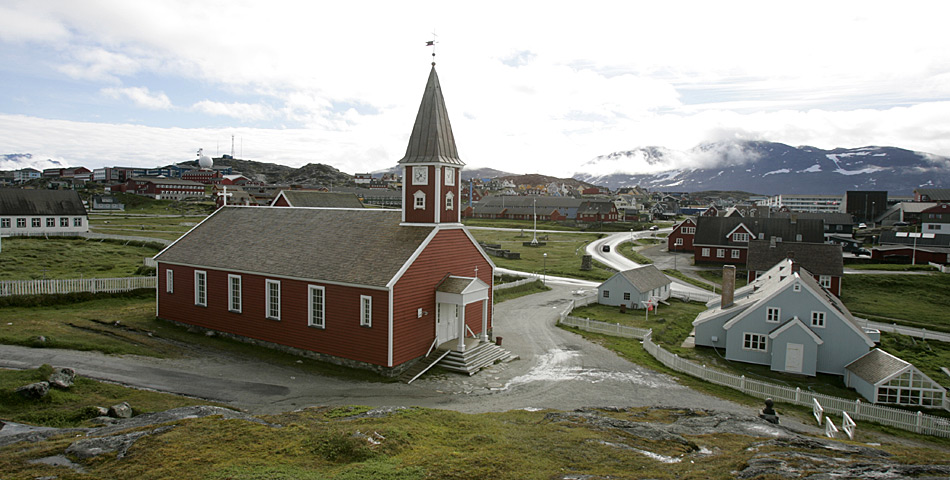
[(369, 288)]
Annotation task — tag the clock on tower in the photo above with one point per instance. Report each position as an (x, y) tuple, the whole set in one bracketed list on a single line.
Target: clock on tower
[(420, 175)]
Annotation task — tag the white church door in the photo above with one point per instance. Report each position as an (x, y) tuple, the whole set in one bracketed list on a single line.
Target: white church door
[(793, 357), (447, 322)]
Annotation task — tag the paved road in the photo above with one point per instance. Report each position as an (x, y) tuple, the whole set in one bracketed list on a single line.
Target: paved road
[(615, 260), (557, 370)]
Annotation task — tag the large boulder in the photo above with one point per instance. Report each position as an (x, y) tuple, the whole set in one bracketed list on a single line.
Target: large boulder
[(34, 390), (62, 377), (121, 410)]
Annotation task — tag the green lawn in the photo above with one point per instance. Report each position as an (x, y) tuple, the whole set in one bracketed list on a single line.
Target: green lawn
[(30, 258), (564, 252), (519, 291), (627, 250), (916, 300), (163, 227), (715, 276)]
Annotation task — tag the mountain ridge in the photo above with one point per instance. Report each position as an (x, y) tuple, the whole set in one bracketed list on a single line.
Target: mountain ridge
[(771, 168)]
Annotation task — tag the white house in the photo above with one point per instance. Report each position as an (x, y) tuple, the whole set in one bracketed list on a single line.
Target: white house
[(634, 288), (41, 212)]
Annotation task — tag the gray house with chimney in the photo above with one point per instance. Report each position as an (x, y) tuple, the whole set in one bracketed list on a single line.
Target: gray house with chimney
[(784, 319)]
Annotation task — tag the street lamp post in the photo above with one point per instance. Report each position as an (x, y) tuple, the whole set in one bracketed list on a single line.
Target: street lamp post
[(544, 269)]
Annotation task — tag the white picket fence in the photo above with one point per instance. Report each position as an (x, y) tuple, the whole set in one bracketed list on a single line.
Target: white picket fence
[(517, 283), (856, 409), (595, 326), (47, 287)]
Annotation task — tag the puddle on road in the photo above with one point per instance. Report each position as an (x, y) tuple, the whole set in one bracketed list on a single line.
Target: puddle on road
[(556, 366)]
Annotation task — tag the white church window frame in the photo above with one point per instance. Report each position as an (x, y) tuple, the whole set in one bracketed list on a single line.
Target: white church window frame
[(272, 299), (419, 200)]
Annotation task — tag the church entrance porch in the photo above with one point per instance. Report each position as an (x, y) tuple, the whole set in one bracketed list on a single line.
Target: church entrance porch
[(451, 297)]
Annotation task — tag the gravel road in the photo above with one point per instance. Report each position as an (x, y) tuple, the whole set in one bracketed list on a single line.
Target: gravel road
[(556, 369)]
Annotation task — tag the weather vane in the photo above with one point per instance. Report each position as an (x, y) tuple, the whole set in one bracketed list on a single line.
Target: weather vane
[(431, 43)]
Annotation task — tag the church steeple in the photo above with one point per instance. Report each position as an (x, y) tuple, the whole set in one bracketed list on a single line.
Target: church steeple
[(432, 140), (431, 166)]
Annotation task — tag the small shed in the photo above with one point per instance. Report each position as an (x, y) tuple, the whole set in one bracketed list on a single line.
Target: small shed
[(634, 288), (883, 378)]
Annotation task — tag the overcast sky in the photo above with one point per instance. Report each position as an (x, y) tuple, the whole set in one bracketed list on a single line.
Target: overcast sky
[(530, 86)]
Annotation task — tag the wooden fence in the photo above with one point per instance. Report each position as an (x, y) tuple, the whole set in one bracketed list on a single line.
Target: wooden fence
[(47, 287)]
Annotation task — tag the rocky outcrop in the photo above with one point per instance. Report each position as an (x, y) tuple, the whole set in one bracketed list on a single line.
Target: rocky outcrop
[(34, 390), (62, 377)]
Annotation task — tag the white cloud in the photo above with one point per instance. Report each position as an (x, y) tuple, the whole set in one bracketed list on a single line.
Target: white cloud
[(545, 95), (140, 96), (240, 111)]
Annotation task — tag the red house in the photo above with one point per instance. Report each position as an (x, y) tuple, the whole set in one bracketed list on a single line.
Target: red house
[(598, 211), (370, 288), (681, 238)]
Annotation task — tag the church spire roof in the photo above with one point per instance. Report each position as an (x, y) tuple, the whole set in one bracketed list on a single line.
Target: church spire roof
[(432, 140)]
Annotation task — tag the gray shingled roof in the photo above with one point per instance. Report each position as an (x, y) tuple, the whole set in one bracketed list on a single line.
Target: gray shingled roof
[(432, 140), (876, 365), (594, 207), (310, 198), (361, 247), (16, 201), (817, 258), (713, 230), (645, 278)]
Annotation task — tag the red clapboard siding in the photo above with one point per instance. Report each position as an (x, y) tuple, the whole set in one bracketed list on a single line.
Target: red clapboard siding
[(451, 252), (447, 215), (342, 337), (281, 202), (426, 215)]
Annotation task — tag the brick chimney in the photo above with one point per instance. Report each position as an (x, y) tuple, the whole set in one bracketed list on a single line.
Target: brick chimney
[(728, 285)]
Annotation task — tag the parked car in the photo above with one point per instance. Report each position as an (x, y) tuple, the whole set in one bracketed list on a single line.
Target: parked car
[(901, 224), (862, 225), (861, 251), (654, 228)]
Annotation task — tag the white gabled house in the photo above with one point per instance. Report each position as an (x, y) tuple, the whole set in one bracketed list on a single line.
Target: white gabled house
[(634, 288)]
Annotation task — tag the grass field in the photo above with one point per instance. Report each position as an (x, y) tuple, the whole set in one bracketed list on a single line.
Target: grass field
[(627, 250), (916, 300), (163, 227), (26, 258), (564, 253)]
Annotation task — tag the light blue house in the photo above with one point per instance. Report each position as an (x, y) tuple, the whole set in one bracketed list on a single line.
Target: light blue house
[(634, 288), (786, 320)]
